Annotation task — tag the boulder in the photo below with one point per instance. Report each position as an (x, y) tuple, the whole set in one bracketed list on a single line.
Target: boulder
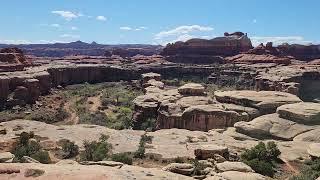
[(179, 168), (304, 112), (265, 101), (192, 89), (310, 136), (233, 166), (314, 150), (209, 151), (271, 126), (236, 175), (6, 157)]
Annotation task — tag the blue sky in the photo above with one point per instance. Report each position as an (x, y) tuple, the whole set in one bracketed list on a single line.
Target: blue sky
[(157, 21)]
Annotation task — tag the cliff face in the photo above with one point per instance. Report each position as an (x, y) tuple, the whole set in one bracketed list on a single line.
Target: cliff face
[(301, 52), (12, 56), (220, 46)]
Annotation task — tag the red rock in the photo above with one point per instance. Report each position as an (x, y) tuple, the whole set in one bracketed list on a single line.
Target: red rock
[(220, 46)]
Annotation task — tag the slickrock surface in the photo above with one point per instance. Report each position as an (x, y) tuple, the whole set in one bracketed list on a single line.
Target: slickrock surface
[(265, 101), (235, 175), (92, 172), (272, 126), (77, 133), (304, 113)]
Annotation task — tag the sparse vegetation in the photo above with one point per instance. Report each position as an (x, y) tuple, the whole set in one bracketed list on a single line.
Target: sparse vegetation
[(125, 158), (49, 116), (96, 150), (116, 104), (198, 167), (148, 125), (262, 158), (27, 146), (140, 153), (70, 149), (310, 171)]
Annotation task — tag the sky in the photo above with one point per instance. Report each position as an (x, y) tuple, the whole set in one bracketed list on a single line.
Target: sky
[(157, 21)]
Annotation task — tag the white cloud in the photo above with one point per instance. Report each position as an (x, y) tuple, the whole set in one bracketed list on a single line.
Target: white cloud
[(183, 30), (74, 28), (125, 28), (277, 40), (55, 25), (101, 18), (141, 28), (71, 36), (14, 41), (67, 15), (50, 41)]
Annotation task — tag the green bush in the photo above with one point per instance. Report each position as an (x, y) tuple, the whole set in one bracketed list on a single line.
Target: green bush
[(47, 116), (179, 160), (96, 150), (31, 148), (70, 149), (198, 167), (148, 125), (125, 158), (140, 153), (311, 171), (261, 167), (41, 156), (262, 158)]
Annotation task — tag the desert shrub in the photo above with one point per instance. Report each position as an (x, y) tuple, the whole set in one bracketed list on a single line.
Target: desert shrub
[(140, 153), (31, 148), (198, 167), (41, 156), (96, 150), (179, 160), (70, 149), (148, 125), (262, 158), (125, 158), (310, 171), (124, 118), (49, 116), (119, 95)]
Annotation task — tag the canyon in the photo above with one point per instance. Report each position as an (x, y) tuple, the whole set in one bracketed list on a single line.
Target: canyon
[(201, 101)]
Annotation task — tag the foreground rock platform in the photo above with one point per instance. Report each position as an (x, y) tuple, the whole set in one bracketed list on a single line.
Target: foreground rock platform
[(82, 172)]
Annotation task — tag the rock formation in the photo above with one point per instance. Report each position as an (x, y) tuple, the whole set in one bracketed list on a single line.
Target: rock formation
[(201, 51), (261, 54)]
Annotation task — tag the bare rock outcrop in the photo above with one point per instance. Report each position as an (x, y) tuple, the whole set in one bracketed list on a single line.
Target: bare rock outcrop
[(304, 112), (272, 126), (203, 51), (12, 56), (236, 175), (265, 101)]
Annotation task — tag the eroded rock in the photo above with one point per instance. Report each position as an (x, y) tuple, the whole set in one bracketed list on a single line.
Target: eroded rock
[(304, 112)]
